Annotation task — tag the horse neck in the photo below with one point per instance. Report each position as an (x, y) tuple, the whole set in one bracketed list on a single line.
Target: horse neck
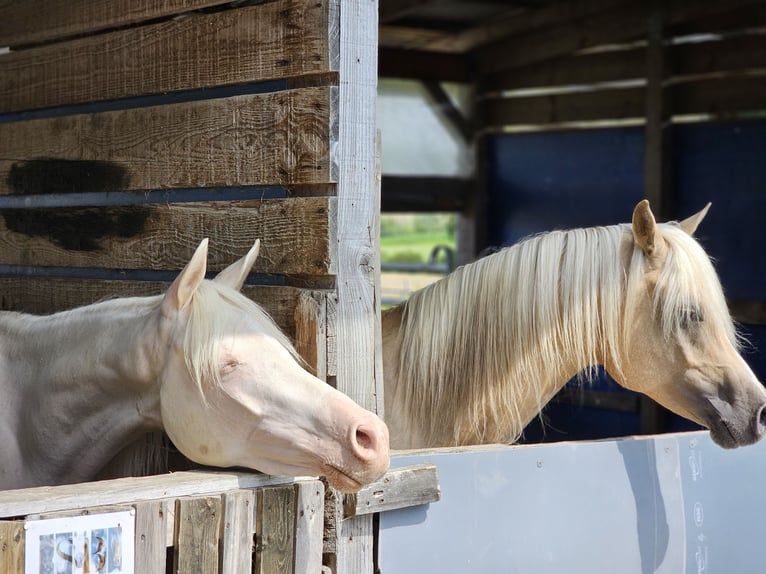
[(90, 376), (489, 345)]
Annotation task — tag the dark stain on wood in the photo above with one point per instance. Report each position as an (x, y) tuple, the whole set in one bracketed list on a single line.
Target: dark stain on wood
[(73, 228)]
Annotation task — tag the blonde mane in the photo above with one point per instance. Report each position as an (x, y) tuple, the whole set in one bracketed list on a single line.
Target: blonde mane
[(206, 329), (507, 329)]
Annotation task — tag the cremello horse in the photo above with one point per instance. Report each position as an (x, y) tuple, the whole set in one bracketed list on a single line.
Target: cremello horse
[(474, 357), (201, 362)]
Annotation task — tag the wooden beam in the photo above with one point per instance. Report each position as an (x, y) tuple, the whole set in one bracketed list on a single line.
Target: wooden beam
[(611, 104), (44, 499), (309, 526), (728, 55), (359, 357), (449, 110), (617, 24), (424, 193), (423, 65), (398, 488)]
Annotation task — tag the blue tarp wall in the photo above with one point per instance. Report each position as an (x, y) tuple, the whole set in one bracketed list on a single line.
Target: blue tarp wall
[(558, 180)]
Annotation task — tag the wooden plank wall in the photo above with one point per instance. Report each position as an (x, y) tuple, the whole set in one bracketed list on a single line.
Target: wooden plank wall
[(131, 130)]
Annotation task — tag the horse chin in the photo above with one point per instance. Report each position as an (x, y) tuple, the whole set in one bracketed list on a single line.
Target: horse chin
[(341, 481), (726, 436), (723, 437)]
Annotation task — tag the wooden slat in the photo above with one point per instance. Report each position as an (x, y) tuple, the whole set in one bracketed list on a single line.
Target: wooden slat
[(36, 21), (12, 547), (577, 107), (151, 547), (618, 24), (196, 535), (296, 236), (43, 295), (717, 97), (281, 39), (275, 530), (42, 499), (309, 523), (398, 488), (311, 332), (237, 532), (277, 138), (712, 57)]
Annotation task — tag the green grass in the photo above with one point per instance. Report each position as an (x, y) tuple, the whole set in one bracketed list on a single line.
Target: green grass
[(413, 247)]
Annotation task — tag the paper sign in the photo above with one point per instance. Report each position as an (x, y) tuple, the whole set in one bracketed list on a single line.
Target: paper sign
[(92, 544)]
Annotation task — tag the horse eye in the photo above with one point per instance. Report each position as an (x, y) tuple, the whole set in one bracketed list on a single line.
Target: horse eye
[(691, 317), (228, 366)]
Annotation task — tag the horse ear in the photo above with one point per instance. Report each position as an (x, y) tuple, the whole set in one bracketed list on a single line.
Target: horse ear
[(235, 274), (690, 224), (645, 228), (185, 285)]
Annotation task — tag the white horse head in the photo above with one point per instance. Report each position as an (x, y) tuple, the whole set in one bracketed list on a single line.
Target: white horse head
[(234, 394)]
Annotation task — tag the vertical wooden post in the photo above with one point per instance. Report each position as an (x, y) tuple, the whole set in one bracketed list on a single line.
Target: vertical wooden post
[(151, 536), (309, 525), (12, 546), (237, 529), (196, 535), (275, 530), (657, 150), (357, 242), (311, 332), (657, 134)]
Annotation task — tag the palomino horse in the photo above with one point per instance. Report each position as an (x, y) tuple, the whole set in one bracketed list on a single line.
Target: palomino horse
[(201, 362), (474, 357)]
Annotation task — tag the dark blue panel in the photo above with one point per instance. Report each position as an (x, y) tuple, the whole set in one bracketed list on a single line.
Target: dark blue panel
[(544, 181), (726, 165)]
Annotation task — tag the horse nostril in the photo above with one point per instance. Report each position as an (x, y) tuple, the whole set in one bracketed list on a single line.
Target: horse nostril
[(364, 439), (761, 422)]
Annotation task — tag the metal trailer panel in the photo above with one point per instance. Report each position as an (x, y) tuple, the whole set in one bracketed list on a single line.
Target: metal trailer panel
[(673, 503)]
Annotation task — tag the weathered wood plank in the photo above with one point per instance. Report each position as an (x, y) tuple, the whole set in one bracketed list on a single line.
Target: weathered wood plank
[(309, 526), (196, 535), (275, 530), (398, 488), (41, 499), (279, 138), (275, 40), (44, 20), (151, 547), (237, 532), (44, 295), (311, 332), (12, 546), (296, 235)]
